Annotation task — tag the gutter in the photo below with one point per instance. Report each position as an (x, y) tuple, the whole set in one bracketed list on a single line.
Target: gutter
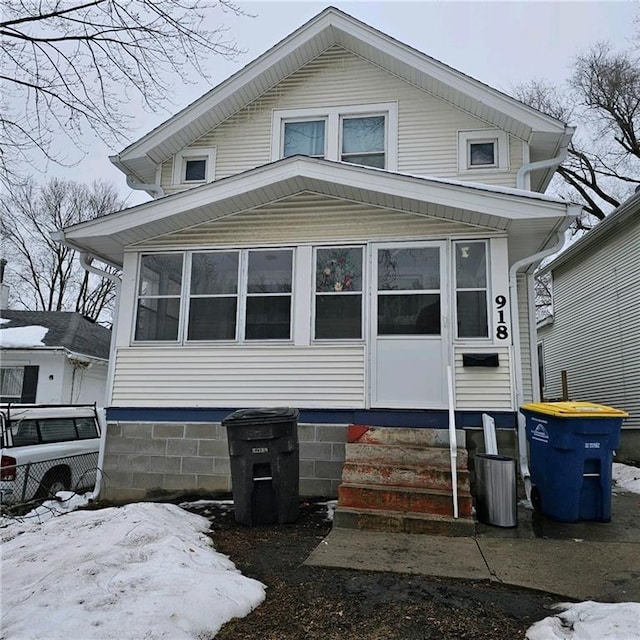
[(84, 257), (572, 212), (551, 163), (154, 190)]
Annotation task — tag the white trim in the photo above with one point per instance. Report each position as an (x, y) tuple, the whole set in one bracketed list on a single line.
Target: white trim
[(499, 138), (179, 165), (333, 130)]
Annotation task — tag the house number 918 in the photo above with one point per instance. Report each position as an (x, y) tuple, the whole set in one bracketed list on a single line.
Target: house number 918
[(502, 332)]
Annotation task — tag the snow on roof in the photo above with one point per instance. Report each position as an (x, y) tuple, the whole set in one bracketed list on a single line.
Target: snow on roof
[(26, 337)]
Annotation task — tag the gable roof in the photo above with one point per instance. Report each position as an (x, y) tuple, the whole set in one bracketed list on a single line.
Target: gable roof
[(530, 219), (545, 135), (626, 213), (66, 330)]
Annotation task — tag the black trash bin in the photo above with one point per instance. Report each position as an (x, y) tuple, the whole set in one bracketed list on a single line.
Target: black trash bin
[(263, 449)]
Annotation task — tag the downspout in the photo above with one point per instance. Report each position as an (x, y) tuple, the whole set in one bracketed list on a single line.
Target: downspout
[(515, 336), (84, 262), (551, 163)]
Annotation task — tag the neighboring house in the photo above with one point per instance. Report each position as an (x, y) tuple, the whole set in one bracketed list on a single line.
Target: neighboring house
[(333, 226), (594, 332), (52, 357)]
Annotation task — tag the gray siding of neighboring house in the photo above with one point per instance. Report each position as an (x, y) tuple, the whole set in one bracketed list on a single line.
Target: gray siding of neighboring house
[(595, 335), (427, 126)]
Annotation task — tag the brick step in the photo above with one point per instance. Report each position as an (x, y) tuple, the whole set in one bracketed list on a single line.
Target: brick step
[(400, 454), (399, 435), (393, 521), (401, 499), (404, 475)]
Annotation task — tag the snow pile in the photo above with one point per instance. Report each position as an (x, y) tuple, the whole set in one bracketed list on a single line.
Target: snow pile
[(138, 571), (590, 621), (626, 478), (23, 336), (66, 501)]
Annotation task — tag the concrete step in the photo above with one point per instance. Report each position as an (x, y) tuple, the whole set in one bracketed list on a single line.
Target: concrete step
[(404, 476), (363, 434), (402, 499), (392, 521), (401, 454)]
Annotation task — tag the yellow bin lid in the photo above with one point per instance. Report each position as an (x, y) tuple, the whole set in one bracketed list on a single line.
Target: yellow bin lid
[(575, 410)]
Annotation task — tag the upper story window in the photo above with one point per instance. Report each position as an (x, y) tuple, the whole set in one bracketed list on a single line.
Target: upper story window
[(360, 134), (194, 166), (232, 295), (483, 150)]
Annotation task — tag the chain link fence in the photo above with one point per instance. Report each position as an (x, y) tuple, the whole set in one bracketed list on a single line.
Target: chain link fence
[(24, 485)]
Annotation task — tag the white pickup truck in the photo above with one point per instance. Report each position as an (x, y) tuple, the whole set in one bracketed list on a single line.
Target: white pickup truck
[(46, 449)]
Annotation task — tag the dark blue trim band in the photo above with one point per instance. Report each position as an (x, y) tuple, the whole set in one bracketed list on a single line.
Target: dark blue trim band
[(429, 419)]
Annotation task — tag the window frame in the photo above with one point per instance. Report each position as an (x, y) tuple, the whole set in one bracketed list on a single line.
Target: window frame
[(333, 128), (486, 289), (195, 153), (315, 293), (185, 297), (499, 138)]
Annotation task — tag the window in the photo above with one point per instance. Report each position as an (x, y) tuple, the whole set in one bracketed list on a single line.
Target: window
[(269, 287), (232, 295), (305, 138), (11, 379), (193, 166), (338, 297), (359, 134), (409, 291), (483, 150), (471, 289), (159, 289), (213, 303)]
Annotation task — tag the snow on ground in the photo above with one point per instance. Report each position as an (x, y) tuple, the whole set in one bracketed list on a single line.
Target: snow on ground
[(590, 621), (143, 570), (626, 478)]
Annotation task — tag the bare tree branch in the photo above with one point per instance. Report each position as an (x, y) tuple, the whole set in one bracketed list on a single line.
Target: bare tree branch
[(73, 67), (43, 275)]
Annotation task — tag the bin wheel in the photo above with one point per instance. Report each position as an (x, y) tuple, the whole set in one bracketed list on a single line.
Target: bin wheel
[(536, 500)]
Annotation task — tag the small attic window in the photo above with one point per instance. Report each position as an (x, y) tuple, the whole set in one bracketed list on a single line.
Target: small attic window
[(483, 150), (194, 166), (195, 170)]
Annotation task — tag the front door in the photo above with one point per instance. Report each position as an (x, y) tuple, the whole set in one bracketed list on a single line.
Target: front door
[(408, 325)]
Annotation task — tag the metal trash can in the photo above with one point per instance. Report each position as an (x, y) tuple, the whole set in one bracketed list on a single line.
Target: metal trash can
[(263, 451), (496, 501), (571, 447)]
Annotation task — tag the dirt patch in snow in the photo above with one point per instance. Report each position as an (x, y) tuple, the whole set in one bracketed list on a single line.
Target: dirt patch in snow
[(305, 602)]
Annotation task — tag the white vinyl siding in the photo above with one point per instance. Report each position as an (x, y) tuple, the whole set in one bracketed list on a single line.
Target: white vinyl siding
[(427, 133), (595, 334), (314, 376), (309, 217), (483, 388), (525, 337)]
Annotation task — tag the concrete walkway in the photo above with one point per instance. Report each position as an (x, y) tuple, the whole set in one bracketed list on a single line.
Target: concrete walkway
[(580, 561)]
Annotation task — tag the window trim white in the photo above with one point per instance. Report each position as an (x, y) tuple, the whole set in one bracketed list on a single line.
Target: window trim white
[(333, 134), (499, 137), (179, 165)]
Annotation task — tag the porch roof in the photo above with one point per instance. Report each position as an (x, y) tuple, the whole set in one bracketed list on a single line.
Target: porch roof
[(530, 219)]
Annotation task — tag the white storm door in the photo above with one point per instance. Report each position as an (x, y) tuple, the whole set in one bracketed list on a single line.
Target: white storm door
[(409, 333)]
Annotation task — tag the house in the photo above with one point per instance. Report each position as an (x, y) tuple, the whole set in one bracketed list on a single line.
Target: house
[(594, 331), (52, 357), (332, 228)]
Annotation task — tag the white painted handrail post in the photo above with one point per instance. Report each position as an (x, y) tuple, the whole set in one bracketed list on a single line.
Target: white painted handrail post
[(453, 442)]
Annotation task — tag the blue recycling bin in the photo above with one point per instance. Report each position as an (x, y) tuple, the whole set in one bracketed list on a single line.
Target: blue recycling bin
[(571, 446)]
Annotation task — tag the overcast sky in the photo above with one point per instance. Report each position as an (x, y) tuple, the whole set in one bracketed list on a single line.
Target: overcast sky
[(500, 43)]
